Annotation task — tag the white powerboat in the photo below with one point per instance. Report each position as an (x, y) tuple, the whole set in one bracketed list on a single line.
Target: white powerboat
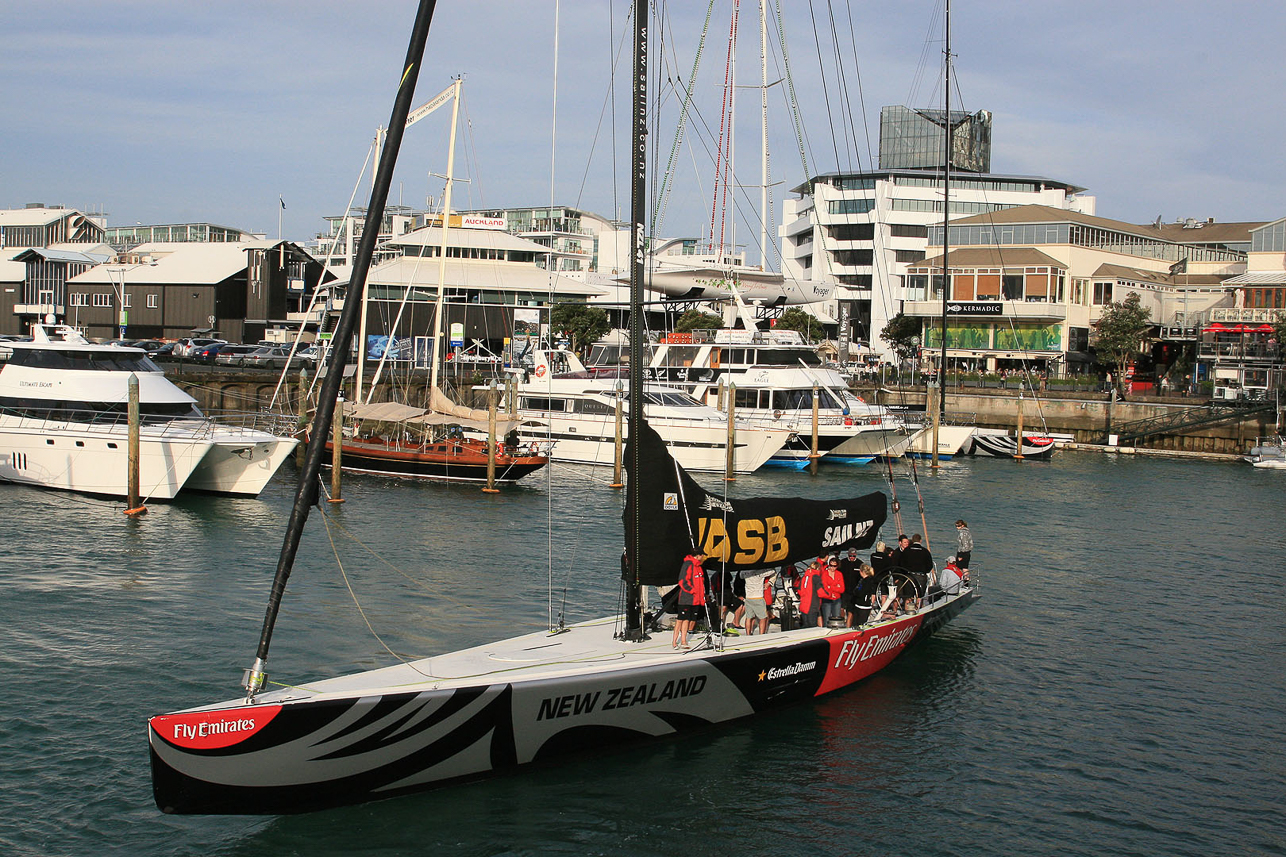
[(63, 424), (579, 413), (775, 373)]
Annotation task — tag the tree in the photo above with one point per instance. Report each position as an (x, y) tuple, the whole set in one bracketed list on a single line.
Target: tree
[(695, 319), (1119, 333), (796, 319), (902, 333), (582, 325)]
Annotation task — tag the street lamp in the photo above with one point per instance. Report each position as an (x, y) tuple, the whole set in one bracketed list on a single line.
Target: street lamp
[(122, 317)]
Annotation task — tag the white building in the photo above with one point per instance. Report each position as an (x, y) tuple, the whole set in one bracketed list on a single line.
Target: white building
[(863, 231)]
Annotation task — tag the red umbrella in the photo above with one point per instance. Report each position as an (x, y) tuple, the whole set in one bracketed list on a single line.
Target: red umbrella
[(1216, 326)]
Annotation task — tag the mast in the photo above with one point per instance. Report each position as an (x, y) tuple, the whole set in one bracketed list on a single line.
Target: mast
[(442, 249), (946, 219), (306, 491), (638, 186)]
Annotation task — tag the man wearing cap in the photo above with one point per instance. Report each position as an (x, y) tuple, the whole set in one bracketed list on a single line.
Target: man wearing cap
[(848, 567)]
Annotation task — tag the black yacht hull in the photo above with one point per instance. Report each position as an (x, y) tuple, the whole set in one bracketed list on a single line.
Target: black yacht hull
[(308, 754)]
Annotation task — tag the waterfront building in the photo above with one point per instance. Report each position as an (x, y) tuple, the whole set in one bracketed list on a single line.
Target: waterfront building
[(41, 247), (337, 246), (1238, 348), (241, 291), (1028, 283), (490, 275), (570, 236), (863, 230), (123, 238)]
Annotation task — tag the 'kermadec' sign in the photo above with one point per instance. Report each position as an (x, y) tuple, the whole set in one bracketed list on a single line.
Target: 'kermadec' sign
[(975, 308)]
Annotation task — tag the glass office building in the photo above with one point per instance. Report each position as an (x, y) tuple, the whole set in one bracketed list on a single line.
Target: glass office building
[(911, 139)]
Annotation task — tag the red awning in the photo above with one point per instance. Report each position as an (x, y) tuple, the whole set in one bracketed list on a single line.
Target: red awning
[(1216, 327)]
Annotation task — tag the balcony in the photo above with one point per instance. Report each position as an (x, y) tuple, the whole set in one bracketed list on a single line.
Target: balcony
[(1241, 315)]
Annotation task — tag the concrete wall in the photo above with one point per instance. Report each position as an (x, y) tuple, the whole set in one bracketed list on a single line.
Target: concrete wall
[(1083, 415)]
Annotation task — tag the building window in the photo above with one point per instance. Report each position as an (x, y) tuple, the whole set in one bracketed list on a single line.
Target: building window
[(125, 302), (852, 257), (908, 255), (79, 299), (852, 231), (1011, 287), (1102, 294), (907, 230), (850, 206), (153, 301), (102, 300)]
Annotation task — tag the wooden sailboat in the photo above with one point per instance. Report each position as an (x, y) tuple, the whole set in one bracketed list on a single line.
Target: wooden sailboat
[(541, 696)]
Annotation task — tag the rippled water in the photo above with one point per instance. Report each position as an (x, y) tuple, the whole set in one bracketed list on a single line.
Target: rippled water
[(1119, 689)]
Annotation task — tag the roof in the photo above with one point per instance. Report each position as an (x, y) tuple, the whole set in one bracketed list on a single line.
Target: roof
[(1048, 214), (33, 216), (1203, 232), (189, 263), (1258, 278), (477, 274), (490, 239), (1002, 177), (57, 254), (1161, 278), (992, 257)]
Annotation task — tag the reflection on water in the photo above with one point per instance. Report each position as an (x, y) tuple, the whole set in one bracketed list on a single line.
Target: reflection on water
[(1124, 666)]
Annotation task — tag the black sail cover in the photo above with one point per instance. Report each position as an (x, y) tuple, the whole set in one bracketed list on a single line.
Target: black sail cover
[(676, 516)]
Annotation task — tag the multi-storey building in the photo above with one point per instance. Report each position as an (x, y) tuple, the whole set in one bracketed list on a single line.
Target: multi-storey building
[(41, 247), (862, 230), (1238, 344), (1028, 283)]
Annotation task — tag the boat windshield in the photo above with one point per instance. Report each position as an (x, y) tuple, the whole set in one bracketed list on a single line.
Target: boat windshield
[(102, 361), (671, 399), (786, 357)]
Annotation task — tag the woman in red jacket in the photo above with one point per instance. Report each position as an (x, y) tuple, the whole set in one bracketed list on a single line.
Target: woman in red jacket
[(692, 598), (808, 590), (832, 590)]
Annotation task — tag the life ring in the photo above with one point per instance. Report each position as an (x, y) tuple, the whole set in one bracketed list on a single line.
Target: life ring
[(533, 449), (540, 371), (777, 415)]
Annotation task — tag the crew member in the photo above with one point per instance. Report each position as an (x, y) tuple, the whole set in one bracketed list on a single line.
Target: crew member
[(692, 598)]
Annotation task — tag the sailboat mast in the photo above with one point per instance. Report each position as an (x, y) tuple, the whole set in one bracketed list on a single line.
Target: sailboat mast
[(946, 219), (638, 187), (306, 491), (442, 248)]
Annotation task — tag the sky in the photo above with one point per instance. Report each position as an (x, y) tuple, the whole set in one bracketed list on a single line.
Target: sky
[(156, 111)]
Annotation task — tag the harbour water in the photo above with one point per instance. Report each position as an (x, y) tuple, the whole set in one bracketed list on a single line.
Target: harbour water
[(1118, 690)]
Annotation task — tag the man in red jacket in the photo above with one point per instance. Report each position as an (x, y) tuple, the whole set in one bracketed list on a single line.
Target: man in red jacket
[(832, 590), (808, 588), (692, 598)]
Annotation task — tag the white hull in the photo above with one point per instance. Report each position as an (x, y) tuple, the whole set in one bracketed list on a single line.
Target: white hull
[(95, 460), (240, 462), (696, 446), (951, 439)]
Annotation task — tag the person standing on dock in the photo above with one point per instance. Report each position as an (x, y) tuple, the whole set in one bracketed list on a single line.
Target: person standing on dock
[(964, 545)]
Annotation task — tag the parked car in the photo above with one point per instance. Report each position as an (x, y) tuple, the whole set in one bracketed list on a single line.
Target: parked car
[(166, 350), (310, 355), (185, 347), (230, 355), (151, 347), (271, 357), (206, 353)]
